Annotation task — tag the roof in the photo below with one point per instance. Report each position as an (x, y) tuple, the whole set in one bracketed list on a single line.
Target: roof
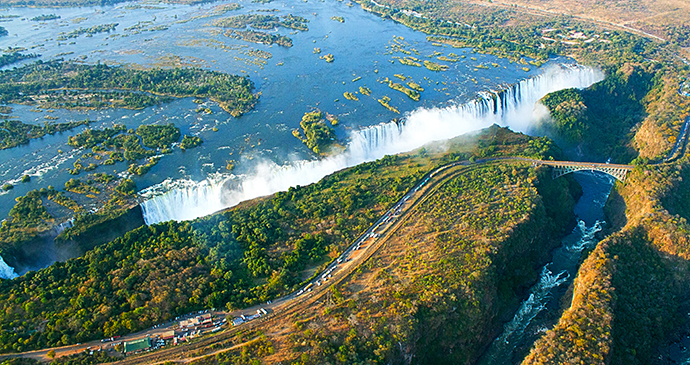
[(137, 345), (189, 322)]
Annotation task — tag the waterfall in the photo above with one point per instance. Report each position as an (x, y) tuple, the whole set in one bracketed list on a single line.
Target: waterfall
[(6, 271), (512, 106)]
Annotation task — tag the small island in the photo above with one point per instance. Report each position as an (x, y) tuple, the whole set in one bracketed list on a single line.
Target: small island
[(318, 135), (14, 133), (44, 17), (328, 57), (117, 144)]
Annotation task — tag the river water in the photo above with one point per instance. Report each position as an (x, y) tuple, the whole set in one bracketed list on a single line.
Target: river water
[(186, 185), (537, 313), (291, 83)]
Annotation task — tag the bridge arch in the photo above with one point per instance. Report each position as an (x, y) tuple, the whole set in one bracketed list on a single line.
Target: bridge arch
[(560, 168)]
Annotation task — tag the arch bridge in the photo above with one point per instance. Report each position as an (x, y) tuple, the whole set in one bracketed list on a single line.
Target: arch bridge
[(560, 168)]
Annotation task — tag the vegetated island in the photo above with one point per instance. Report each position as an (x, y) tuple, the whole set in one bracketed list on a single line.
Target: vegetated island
[(14, 57), (413, 93), (44, 17), (70, 85), (385, 101), (265, 22), (103, 28), (15, 133), (318, 135), (259, 37), (117, 144)]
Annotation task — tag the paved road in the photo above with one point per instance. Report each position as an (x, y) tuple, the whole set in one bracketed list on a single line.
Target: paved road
[(680, 141), (357, 253)]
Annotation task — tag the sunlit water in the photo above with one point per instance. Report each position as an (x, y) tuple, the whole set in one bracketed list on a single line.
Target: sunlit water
[(186, 185)]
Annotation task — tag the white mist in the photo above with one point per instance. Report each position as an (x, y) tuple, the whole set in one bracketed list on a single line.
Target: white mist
[(513, 107)]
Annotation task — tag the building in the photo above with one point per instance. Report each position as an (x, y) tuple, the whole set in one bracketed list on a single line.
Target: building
[(137, 345), (168, 335), (192, 322)]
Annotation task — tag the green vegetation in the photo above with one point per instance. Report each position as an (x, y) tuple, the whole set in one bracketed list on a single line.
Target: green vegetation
[(433, 66), (143, 169), (72, 85), (10, 58), (259, 37), (44, 17), (364, 90), (237, 258), (158, 136), (103, 28), (628, 302), (15, 133), (385, 102), (415, 86), (601, 117), (410, 61), (265, 22), (350, 96), (328, 57), (190, 142), (446, 277), (319, 137), (413, 94), (338, 19), (92, 137), (116, 144)]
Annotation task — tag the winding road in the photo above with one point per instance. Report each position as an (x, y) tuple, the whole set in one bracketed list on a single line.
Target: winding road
[(358, 252)]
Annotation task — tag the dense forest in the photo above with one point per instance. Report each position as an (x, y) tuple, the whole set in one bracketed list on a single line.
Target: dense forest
[(600, 118), (71, 85)]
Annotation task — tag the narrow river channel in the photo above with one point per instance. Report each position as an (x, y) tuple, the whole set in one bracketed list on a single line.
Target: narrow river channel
[(539, 311)]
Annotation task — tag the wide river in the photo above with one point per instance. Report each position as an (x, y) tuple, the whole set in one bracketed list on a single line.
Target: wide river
[(293, 81)]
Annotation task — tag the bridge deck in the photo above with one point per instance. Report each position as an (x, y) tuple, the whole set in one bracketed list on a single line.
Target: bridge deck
[(585, 164)]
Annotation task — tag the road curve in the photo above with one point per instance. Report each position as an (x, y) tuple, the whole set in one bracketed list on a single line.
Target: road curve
[(358, 252)]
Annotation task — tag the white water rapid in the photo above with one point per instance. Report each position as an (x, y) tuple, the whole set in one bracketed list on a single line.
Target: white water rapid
[(6, 271), (513, 106), (502, 349)]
